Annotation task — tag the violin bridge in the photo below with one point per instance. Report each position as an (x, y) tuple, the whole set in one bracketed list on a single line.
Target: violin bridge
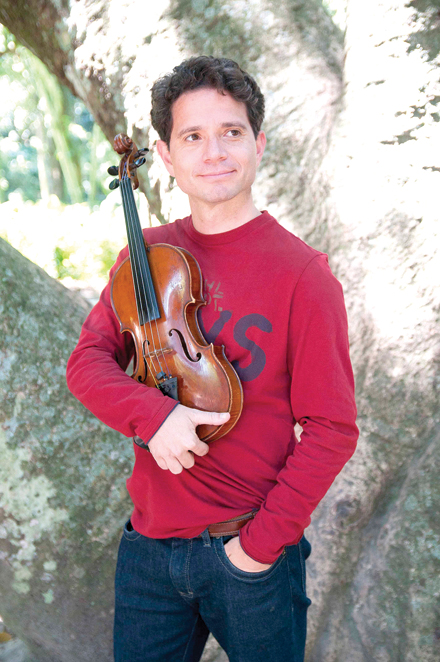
[(158, 353)]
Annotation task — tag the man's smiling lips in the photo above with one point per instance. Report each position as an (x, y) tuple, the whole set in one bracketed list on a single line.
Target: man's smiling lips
[(217, 174)]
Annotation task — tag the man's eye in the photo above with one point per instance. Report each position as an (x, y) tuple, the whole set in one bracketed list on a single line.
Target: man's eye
[(234, 133), (192, 137)]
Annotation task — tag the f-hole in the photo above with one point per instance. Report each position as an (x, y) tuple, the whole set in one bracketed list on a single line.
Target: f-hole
[(184, 347), (145, 343)]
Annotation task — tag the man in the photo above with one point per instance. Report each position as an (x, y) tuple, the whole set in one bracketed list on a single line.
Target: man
[(275, 305)]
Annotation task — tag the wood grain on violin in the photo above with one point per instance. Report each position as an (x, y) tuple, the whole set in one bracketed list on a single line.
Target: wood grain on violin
[(155, 295)]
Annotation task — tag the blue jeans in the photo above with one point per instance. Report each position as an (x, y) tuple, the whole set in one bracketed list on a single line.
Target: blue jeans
[(171, 593)]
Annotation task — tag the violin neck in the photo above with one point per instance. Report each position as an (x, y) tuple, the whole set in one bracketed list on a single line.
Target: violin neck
[(146, 300)]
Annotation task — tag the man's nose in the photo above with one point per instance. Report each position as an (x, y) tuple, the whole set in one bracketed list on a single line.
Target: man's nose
[(214, 149)]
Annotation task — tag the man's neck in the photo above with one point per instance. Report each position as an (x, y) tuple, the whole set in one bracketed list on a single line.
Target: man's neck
[(213, 219)]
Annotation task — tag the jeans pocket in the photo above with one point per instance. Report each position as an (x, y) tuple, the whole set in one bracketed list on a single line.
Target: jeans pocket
[(304, 548), (129, 533), (296, 558), (243, 575)]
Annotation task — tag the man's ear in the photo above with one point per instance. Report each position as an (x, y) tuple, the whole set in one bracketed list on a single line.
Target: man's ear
[(261, 144), (164, 154)]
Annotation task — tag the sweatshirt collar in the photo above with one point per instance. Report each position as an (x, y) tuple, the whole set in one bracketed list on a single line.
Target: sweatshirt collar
[(225, 237)]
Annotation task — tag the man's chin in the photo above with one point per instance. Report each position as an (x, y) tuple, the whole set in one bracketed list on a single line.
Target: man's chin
[(218, 195)]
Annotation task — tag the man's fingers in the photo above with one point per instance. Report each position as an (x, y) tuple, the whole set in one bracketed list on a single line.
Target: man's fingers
[(208, 417), (174, 465), (161, 463), (200, 448), (170, 464), (186, 459), (176, 442)]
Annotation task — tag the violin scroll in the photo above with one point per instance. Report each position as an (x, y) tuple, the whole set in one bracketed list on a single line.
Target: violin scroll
[(134, 158), (123, 144)]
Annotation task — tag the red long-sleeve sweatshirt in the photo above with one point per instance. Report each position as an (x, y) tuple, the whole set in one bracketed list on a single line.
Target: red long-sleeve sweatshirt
[(275, 305)]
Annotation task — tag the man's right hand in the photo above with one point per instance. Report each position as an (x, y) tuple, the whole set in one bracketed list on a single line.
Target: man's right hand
[(175, 443)]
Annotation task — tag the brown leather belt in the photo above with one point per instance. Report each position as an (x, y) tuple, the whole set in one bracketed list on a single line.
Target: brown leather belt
[(230, 527)]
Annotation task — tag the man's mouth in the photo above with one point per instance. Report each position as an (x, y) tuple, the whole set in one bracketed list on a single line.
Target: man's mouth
[(217, 174)]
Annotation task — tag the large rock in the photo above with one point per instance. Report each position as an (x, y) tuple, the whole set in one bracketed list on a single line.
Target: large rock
[(62, 494)]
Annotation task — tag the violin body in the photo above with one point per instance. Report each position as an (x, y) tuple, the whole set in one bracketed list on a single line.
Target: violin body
[(155, 295), (173, 343)]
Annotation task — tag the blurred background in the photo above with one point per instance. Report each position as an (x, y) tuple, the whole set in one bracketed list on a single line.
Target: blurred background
[(54, 204)]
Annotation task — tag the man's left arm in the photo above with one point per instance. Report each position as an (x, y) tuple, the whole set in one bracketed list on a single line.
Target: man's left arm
[(322, 400)]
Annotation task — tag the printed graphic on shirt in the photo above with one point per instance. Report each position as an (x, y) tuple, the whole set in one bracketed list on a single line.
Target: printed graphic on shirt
[(214, 295), (258, 361)]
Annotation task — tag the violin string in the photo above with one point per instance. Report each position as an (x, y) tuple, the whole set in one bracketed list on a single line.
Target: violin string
[(130, 245), (146, 284), (138, 280), (125, 182), (151, 295), (161, 349)]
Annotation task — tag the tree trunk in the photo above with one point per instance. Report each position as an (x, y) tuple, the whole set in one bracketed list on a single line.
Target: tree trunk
[(376, 537), (347, 169)]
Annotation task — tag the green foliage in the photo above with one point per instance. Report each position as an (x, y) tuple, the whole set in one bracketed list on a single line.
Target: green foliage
[(62, 263), (70, 242), (427, 37), (109, 253), (18, 169), (48, 139)]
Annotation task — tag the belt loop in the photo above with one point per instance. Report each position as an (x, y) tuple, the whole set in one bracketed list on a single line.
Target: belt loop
[(206, 538)]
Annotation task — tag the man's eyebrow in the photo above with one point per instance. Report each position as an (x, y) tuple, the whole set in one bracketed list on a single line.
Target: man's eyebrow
[(224, 125), (239, 125), (189, 129)]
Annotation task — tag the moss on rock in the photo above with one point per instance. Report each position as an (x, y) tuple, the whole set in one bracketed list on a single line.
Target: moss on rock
[(62, 489)]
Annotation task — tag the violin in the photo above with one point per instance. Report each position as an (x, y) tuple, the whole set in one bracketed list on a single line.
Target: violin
[(156, 293)]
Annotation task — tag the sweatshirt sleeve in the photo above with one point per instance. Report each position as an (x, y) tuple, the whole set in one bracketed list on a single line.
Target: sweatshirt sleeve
[(96, 374), (322, 400)]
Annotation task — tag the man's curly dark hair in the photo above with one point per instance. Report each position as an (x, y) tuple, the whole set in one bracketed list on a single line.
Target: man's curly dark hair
[(218, 73)]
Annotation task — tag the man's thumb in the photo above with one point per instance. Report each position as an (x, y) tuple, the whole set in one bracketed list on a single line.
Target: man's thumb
[(209, 417)]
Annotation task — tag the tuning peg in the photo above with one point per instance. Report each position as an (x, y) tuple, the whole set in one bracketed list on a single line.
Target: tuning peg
[(138, 163), (114, 184), (113, 170), (141, 152)]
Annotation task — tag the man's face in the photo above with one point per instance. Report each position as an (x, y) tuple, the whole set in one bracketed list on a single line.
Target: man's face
[(213, 152)]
